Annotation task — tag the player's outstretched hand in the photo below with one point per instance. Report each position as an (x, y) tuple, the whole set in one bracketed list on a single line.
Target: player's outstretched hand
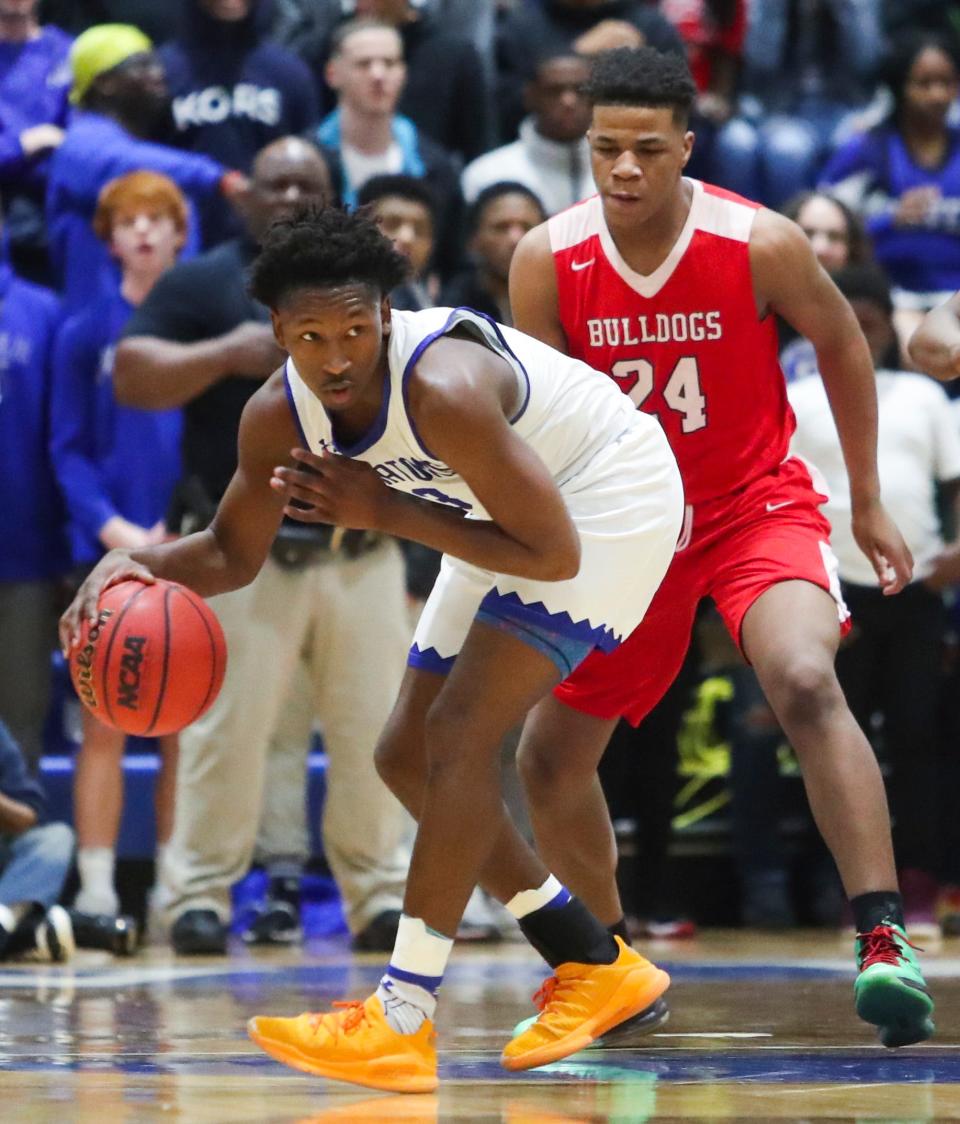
[(880, 540), (332, 489), (115, 567)]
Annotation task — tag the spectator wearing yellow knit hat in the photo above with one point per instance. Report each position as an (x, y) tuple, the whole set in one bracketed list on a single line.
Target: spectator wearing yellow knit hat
[(120, 94)]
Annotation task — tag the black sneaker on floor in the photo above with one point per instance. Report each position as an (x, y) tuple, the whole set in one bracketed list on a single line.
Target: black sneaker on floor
[(53, 936), (199, 932), (380, 935), (276, 922), (118, 935)]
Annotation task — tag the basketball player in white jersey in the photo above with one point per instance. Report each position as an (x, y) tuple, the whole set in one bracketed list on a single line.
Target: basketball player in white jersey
[(557, 505)]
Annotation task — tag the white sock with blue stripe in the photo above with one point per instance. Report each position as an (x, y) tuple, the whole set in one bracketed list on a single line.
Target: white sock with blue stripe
[(408, 989)]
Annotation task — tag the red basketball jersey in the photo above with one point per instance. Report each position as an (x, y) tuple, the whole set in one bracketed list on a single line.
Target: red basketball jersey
[(685, 343)]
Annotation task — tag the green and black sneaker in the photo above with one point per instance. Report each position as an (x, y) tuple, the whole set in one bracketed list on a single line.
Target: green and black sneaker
[(890, 990)]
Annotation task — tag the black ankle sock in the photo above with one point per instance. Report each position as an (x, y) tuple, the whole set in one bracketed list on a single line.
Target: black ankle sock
[(879, 907), (619, 929), (569, 933)]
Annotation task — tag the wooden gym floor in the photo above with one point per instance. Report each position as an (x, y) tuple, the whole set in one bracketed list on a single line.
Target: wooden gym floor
[(762, 1029)]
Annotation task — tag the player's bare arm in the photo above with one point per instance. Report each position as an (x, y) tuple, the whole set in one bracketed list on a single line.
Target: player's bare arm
[(533, 289), (935, 345), (460, 397), (789, 281), (227, 554)]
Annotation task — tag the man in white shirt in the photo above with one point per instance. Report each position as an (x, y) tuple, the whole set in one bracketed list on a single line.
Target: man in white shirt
[(552, 156), (891, 661)]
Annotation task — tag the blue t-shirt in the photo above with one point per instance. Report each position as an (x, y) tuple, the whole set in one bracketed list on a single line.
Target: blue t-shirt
[(878, 167), (96, 150), (34, 82), (32, 543), (109, 459)]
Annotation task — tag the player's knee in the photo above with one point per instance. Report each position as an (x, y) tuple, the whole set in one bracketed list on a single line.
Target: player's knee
[(545, 776), (805, 691)]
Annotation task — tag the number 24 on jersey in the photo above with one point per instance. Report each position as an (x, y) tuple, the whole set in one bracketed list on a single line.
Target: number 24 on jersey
[(681, 393)]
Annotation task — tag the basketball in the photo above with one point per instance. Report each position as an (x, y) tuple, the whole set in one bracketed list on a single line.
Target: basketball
[(152, 662)]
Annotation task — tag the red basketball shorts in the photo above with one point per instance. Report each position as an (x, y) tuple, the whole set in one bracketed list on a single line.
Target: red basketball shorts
[(732, 549)]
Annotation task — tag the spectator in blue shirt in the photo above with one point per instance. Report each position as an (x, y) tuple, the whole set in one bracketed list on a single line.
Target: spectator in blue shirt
[(34, 862), (903, 176), (121, 94), (34, 80), (33, 549), (117, 467)]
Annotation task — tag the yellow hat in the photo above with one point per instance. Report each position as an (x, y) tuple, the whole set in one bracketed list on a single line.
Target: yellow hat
[(100, 49)]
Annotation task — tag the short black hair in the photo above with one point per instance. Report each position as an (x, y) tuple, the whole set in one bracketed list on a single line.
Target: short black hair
[(399, 186), (865, 283), (494, 191), (323, 248), (642, 76)]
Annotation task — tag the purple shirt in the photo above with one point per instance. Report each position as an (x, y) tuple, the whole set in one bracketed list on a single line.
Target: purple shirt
[(34, 82)]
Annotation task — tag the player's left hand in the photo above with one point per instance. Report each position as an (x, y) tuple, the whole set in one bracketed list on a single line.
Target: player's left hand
[(880, 540), (332, 489)]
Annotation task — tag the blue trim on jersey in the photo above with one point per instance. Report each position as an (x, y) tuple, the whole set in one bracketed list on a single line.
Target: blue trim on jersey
[(508, 606), (428, 983), (408, 371), (429, 659), (373, 434), (432, 338), (566, 653), (293, 405)]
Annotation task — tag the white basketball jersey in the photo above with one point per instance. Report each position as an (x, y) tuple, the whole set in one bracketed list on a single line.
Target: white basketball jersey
[(612, 464), (567, 412)]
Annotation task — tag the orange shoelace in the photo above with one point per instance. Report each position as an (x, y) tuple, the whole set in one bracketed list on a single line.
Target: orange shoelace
[(883, 946), (356, 1013), (544, 993)]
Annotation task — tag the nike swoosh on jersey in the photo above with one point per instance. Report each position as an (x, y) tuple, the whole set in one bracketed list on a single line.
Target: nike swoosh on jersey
[(576, 266), (777, 506)]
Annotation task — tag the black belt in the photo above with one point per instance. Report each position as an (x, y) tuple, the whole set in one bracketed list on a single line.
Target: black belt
[(299, 545)]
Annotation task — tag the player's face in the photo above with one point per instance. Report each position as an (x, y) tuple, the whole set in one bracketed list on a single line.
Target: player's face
[(638, 154), (822, 221), (145, 240), (337, 339), (931, 87), (503, 223)]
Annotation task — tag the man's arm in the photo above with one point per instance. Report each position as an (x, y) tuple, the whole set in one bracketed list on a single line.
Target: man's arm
[(533, 289), (935, 345), (458, 400), (229, 553), (15, 816), (790, 281), (159, 374)]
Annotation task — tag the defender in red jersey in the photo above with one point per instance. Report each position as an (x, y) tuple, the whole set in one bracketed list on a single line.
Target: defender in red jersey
[(672, 286)]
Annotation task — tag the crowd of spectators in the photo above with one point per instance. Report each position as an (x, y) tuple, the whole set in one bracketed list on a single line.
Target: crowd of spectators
[(143, 148)]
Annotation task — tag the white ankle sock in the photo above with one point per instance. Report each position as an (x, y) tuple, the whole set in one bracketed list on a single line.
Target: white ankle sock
[(12, 914), (529, 901), (97, 895), (408, 989)]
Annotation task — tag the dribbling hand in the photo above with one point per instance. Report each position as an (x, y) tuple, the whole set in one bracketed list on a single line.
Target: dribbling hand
[(115, 567)]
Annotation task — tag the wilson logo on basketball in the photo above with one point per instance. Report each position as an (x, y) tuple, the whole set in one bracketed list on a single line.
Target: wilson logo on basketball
[(129, 678), (84, 660)]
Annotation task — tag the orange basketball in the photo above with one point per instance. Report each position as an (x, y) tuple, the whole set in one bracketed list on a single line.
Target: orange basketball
[(152, 662)]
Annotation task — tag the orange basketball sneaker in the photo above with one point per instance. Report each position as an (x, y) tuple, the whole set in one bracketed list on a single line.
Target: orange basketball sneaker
[(355, 1043), (583, 1001)]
